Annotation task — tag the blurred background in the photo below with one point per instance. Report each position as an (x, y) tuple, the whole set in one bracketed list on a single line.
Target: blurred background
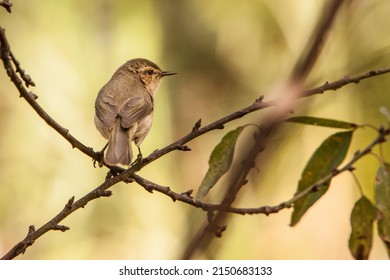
[(227, 54)]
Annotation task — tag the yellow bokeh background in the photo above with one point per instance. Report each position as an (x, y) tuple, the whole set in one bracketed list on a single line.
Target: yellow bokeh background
[(227, 54)]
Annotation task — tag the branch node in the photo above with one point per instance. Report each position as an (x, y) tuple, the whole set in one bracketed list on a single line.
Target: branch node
[(104, 193), (33, 95), (259, 99), (188, 193), (61, 228), (220, 126), (69, 204), (184, 148), (167, 191), (31, 230), (148, 188), (197, 125)]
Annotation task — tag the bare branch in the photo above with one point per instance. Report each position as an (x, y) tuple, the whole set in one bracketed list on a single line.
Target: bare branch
[(345, 81), (8, 59), (208, 207)]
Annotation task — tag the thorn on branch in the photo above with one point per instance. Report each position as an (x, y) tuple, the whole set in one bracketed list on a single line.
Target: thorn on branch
[(351, 169), (104, 193), (167, 190), (184, 148), (33, 95), (61, 228), (267, 210), (31, 230), (6, 5), (148, 188), (373, 72), (259, 99), (69, 204), (197, 125), (188, 193), (128, 180), (22, 246), (221, 126), (25, 77)]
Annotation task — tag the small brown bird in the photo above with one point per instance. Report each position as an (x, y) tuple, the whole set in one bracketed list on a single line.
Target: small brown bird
[(124, 108)]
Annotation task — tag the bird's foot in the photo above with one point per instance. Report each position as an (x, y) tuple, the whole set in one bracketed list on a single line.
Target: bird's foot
[(99, 159)]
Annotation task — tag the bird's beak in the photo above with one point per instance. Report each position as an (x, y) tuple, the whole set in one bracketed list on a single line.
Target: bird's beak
[(166, 73)]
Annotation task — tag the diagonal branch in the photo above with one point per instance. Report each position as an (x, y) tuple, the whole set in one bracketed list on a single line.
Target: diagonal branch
[(209, 207), (8, 61)]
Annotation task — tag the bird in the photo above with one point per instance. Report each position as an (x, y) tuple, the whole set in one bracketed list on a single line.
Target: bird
[(124, 108)]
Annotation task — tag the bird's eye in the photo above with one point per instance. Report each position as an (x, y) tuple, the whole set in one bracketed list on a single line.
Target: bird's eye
[(149, 72)]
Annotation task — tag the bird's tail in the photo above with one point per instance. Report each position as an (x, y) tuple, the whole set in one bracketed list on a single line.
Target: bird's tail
[(119, 149)]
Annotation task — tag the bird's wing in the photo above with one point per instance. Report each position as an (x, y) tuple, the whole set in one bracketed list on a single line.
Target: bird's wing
[(106, 109), (135, 108)]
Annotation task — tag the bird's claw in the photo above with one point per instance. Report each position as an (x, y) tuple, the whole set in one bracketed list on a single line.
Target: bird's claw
[(99, 159)]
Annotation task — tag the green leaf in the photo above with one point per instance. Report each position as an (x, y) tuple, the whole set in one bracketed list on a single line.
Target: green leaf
[(322, 122), (382, 201), (220, 161), (325, 159), (362, 216)]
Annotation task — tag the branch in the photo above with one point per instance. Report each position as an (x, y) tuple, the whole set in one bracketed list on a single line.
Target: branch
[(14, 70), (9, 60), (288, 96), (197, 131), (53, 224), (345, 81), (10, 64), (209, 207)]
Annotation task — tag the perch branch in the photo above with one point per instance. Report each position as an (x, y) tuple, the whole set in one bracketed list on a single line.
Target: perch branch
[(8, 59)]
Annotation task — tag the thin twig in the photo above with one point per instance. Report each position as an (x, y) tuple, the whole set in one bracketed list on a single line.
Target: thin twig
[(188, 199)]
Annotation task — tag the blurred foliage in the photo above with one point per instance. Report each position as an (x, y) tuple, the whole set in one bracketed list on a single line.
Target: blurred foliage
[(227, 53)]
